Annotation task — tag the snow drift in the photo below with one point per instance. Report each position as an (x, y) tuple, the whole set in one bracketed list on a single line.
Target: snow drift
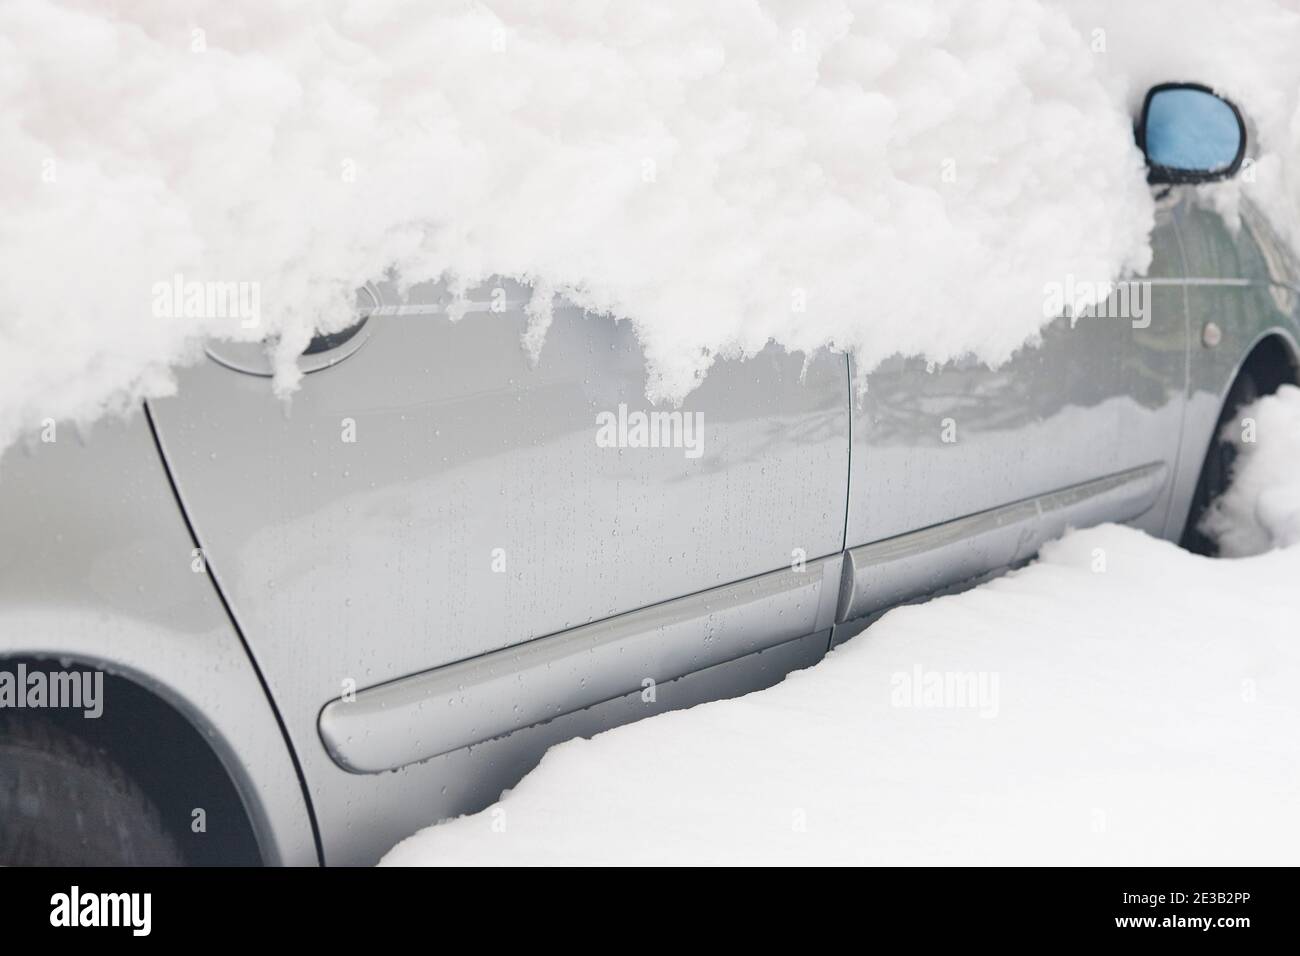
[(1261, 509), (1120, 701), (884, 176)]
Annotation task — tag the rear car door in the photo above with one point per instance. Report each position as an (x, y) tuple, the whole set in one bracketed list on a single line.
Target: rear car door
[(430, 495)]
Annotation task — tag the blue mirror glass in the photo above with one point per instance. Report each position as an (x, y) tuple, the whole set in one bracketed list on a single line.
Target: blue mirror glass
[(1191, 135)]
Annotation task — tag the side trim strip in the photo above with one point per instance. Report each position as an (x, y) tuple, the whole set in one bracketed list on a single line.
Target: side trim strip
[(1198, 280), (898, 569), (447, 708)]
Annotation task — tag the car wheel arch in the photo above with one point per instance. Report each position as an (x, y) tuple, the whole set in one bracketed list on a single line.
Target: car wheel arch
[(177, 763)]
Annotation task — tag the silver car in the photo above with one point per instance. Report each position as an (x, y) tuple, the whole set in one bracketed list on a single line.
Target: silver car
[(297, 633)]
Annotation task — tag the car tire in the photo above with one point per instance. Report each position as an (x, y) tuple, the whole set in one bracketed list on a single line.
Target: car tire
[(1216, 470), (66, 803)]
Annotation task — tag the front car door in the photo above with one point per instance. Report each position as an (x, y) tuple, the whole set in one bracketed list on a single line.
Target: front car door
[(963, 469)]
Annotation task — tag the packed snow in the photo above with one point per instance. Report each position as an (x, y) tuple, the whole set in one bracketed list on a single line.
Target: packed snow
[(1119, 701), (874, 175)]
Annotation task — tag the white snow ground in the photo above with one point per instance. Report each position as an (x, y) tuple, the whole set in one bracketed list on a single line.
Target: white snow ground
[(1124, 702)]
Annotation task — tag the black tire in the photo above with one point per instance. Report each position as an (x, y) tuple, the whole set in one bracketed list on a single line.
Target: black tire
[(65, 803), (1216, 471)]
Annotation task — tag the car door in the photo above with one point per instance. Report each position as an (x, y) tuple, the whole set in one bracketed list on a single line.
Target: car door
[(430, 496), (963, 469)]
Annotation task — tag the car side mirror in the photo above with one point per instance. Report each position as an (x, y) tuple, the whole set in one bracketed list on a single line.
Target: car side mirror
[(1190, 135)]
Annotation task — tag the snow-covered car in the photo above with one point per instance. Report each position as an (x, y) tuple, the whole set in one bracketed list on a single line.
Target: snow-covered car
[(236, 629)]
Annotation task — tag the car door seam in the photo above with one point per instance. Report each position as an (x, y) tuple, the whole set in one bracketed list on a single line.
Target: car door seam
[(239, 632)]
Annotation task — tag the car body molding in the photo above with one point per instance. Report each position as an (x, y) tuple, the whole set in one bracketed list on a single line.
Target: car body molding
[(906, 566), (458, 705), (447, 708)]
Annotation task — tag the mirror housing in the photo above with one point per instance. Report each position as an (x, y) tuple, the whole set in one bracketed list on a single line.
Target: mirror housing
[(1190, 134)]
